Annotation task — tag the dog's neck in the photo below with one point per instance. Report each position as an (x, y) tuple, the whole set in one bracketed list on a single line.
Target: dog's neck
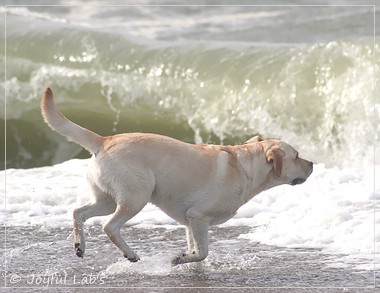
[(249, 159)]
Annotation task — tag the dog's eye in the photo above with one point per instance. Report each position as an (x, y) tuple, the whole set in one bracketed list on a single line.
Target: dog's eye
[(296, 156)]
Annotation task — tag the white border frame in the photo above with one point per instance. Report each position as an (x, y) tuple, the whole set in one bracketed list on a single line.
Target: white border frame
[(184, 5)]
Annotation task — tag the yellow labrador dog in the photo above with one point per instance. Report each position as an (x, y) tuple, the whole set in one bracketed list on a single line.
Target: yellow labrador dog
[(197, 185)]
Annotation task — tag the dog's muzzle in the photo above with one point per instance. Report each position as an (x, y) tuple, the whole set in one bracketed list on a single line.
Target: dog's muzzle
[(297, 181)]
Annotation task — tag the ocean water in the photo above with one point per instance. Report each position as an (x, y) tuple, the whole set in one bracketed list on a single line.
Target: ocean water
[(204, 73)]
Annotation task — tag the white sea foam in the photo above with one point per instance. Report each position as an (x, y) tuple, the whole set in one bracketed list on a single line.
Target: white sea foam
[(333, 210)]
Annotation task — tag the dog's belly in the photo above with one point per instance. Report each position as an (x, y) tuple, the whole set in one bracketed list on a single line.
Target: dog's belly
[(211, 206), (178, 215), (173, 205)]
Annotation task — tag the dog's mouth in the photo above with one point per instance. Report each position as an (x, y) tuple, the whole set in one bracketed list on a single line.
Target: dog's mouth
[(297, 181)]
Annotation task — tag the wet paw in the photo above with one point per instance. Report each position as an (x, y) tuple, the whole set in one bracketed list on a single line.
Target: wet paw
[(180, 259), (184, 258), (78, 251), (177, 260), (134, 258)]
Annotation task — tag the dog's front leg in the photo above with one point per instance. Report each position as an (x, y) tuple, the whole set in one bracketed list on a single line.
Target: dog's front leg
[(199, 231), (190, 241)]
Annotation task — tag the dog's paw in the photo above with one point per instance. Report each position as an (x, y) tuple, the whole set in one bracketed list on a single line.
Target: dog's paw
[(189, 256), (78, 251), (132, 258), (180, 259), (177, 260)]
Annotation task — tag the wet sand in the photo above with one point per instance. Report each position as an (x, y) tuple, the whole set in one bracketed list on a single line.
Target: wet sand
[(37, 258)]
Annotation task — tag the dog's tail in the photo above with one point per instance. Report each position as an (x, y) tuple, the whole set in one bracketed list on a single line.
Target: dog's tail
[(73, 132)]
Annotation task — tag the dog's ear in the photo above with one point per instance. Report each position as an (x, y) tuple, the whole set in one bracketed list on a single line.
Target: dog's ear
[(254, 139), (275, 155)]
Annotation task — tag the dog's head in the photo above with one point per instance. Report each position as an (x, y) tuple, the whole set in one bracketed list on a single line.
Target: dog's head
[(287, 166)]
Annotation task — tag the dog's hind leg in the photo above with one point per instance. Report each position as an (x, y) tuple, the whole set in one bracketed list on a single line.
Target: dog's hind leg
[(123, 213), (102, 207)]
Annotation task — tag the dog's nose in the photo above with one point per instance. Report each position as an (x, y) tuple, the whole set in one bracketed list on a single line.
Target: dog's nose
[(311, 164)]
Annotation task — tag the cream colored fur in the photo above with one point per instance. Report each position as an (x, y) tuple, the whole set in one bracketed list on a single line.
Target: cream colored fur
[(197, 185)]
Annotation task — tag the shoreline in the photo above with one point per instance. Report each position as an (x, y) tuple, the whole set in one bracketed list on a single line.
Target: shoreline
[(38, 259)]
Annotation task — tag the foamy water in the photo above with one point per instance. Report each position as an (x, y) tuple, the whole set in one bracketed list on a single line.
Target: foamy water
[(334, 210)]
